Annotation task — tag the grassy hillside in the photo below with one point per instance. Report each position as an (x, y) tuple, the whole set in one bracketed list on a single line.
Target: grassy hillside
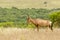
[(14, 17), (18, 16)]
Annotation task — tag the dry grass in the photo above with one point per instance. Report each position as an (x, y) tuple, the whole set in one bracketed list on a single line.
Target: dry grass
[(30, 3), (28, 34)]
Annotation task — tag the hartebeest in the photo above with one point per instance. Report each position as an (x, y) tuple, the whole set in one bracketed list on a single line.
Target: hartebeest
[(40, 23)]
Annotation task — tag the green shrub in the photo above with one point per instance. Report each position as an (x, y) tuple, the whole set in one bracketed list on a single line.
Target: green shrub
[(6, 24)]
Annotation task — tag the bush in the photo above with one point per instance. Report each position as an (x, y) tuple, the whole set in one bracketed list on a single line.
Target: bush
[(7, 24), (55, 18)]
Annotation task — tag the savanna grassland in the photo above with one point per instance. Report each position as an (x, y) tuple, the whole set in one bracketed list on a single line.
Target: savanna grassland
[(28, 34), (13, 24), (13, 19)]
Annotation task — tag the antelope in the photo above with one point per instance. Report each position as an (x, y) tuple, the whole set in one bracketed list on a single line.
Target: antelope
[(40, 23)]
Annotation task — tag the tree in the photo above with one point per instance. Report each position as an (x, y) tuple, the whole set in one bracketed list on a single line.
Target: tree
[(55, 17)]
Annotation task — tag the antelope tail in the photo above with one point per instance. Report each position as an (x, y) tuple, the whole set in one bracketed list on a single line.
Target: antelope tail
[(52, 26)]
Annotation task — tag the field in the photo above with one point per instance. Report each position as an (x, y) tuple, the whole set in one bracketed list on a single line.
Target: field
[(13, 19), (28, 34), (30, 3)]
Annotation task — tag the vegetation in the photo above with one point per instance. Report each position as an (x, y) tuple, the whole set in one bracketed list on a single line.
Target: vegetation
[(14, 17), (55, 18)]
